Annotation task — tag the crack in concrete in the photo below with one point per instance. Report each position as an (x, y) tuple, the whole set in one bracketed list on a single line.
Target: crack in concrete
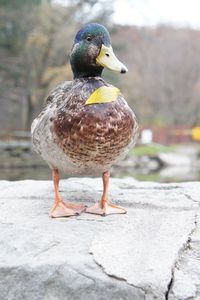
[(156, 207), (86, 276), (185, 247), (119, 278), (55, 244), (169, 286), (189, 197), (160, 188)]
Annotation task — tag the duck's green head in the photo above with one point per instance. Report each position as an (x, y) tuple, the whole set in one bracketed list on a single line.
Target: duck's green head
[(92, 51)]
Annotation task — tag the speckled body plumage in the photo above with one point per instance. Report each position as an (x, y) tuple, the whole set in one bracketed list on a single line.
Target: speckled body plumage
[(81, 139)]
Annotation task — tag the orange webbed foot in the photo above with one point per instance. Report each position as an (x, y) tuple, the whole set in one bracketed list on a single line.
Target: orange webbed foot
[(105, 208), (62, 208), (66, 209)]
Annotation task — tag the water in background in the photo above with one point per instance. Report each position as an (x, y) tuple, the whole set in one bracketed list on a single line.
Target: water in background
[(19, 162)]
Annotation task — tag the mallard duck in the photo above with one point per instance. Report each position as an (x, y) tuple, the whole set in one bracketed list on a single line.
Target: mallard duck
[(86, 125)]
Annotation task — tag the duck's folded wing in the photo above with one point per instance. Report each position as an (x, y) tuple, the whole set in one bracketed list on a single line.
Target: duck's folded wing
[(40, 124)]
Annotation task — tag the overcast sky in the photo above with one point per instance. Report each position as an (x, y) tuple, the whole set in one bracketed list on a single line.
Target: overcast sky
[(153, 12)]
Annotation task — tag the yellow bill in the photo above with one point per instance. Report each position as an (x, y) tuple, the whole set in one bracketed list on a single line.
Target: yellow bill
[(107, 59)]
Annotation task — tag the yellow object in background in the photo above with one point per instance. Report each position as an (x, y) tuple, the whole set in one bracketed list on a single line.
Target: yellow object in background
[(103, 94), (196, 133)]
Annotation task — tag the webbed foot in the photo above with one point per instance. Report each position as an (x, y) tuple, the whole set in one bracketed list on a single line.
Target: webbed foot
[(66, 209), (104, 208)]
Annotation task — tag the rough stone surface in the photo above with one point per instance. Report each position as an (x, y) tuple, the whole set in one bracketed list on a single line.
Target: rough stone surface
[(152, 252)]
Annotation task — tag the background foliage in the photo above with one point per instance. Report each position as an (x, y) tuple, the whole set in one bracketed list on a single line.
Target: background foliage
[(163, 83)]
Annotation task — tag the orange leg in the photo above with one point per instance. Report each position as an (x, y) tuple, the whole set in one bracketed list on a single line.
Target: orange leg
[(104, 207), (60, 207)]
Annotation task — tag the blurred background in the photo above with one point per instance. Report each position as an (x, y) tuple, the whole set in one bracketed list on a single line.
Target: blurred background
[(158, 40)]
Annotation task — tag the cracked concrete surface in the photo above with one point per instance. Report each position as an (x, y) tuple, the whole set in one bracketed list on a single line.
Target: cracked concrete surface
[(153, 252)]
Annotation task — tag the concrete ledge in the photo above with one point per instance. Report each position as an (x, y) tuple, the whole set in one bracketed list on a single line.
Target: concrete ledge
[(150, 253)]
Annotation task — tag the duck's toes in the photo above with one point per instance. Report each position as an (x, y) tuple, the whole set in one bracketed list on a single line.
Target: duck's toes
[(108, 209), (60, 209), (78, 208)]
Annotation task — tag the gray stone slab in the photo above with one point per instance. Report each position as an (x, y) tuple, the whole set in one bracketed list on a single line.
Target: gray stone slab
[(142, 255), (186, 273), (143, 250)]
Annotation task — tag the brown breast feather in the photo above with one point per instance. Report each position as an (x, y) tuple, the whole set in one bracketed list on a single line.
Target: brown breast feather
[(98, 132)]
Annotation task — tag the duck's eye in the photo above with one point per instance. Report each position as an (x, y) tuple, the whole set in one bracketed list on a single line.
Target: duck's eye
[(107, 54), (89, 38)]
